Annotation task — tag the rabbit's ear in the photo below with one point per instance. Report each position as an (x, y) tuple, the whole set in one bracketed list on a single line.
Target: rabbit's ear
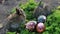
[(19, 11), (45, 6)]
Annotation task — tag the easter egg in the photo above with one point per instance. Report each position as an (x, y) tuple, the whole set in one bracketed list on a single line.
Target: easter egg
[(40, 27), (42, 18), (30, 25)]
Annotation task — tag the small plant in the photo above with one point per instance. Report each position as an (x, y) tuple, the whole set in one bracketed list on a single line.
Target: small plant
[(29, 8)]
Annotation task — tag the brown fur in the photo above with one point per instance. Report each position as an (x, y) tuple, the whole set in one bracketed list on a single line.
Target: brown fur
[(15, 18)]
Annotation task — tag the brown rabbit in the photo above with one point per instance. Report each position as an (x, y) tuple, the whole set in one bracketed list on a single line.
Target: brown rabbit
[(14, 22), (42, 9)]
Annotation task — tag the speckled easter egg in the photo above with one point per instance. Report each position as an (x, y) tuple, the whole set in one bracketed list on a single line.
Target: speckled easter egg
[(40, 27), (31, 25)]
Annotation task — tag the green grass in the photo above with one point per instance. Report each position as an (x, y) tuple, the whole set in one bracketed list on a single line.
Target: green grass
[(53, 23)]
